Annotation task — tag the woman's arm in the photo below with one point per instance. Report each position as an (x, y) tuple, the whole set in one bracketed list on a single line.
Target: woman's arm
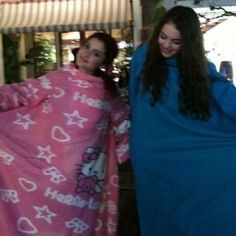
[(120, 128), (27, 93)]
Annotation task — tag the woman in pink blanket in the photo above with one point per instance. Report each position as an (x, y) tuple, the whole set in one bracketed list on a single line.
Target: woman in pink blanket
[(61, 137)]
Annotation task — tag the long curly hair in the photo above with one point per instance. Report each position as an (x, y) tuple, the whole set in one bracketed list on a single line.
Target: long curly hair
[(194, 95)]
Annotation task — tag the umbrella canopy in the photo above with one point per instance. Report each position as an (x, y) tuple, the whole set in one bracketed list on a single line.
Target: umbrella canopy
[(20, 16)]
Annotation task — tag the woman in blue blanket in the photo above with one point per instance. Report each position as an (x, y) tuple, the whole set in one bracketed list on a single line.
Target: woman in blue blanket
[(183, 139)]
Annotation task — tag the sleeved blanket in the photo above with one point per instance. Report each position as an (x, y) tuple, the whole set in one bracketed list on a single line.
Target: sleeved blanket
[(61, 138)]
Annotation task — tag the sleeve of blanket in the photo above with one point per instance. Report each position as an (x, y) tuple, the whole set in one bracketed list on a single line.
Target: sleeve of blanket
[(224, 93), (27, 93), (120, 128)]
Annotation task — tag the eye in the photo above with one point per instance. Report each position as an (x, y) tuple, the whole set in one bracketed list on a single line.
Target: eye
[(163, 36), (177, 42), (96, 53)]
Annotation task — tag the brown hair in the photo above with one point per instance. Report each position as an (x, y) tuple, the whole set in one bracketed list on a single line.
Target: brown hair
[(111, 52), (194, 95)]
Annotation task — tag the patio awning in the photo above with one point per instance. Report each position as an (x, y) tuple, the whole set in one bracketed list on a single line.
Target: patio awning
[(21, 16)]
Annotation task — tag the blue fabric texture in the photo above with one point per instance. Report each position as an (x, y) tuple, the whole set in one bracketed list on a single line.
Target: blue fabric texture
[(185, 169)]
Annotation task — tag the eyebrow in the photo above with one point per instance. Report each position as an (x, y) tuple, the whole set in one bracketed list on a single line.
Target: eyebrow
[(94, 49)]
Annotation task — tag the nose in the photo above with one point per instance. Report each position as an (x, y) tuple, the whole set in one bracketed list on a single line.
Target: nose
[(167, 44), (86, 52)]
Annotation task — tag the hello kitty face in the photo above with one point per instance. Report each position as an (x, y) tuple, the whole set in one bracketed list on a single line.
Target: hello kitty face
[(94, 167), (91, 172)]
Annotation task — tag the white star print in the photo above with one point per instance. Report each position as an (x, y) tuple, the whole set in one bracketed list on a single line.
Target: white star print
[(45, 153), (75, 119), (44, 213), (23, 120)]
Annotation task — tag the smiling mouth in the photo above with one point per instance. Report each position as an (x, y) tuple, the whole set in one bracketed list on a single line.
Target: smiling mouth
[(166, 51)]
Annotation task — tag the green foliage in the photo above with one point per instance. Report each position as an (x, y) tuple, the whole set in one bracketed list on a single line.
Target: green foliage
[(158, 11), (42, 54), (125, 53), (10, 55)]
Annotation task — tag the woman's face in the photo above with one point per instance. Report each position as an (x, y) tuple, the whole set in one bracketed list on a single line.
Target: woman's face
[(169, 40), (91, 56)]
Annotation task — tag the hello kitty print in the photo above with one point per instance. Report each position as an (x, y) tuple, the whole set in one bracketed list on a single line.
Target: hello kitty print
[(61, 139)]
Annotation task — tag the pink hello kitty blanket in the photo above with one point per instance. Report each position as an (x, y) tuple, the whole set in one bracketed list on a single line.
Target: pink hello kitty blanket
[(61, 139)]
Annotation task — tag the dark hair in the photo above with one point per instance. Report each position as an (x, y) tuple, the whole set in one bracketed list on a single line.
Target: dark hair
[(110, 46), (111, 52), (194, 95), (74, 52)]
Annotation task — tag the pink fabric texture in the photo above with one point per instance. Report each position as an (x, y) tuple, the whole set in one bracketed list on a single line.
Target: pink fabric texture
[(61, 138)]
